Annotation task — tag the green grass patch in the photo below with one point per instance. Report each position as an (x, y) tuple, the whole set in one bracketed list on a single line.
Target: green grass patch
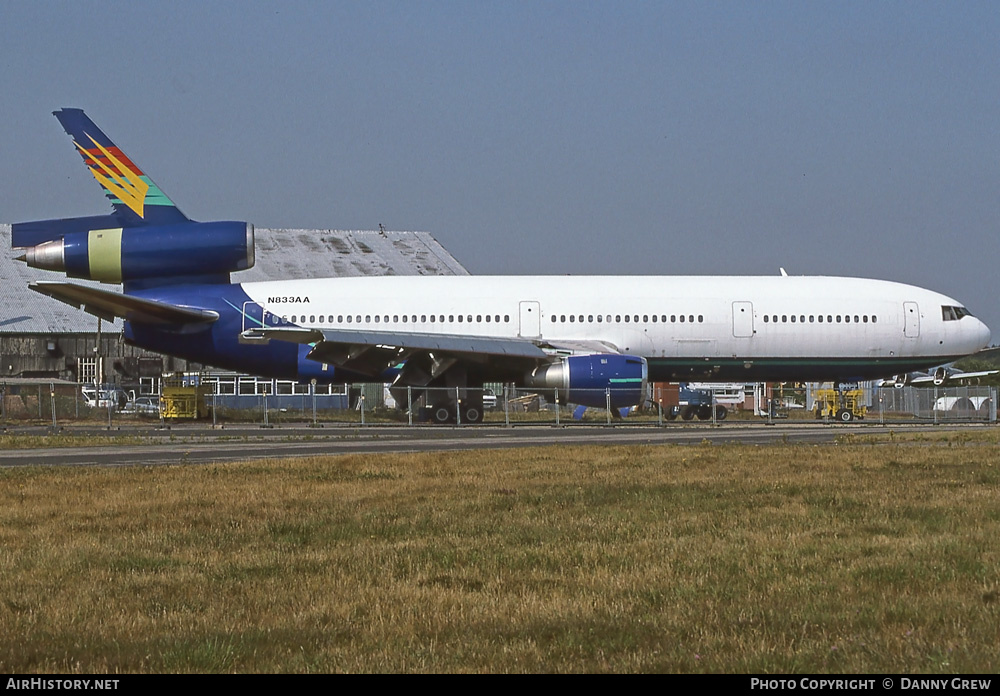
[(15, 441), (811, 559)]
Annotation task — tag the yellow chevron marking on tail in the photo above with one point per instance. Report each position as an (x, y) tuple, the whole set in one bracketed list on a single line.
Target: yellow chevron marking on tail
[(125, 184)]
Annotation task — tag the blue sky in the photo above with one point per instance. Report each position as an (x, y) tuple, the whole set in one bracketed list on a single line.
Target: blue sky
[(847, 138)]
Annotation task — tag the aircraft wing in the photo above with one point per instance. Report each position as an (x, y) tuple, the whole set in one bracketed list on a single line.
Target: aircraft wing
[(371, 352), (950, 377), (334, 341), (512, 347), (109, 305)]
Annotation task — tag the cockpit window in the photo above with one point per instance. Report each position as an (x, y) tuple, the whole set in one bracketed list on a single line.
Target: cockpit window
[(954, 313)]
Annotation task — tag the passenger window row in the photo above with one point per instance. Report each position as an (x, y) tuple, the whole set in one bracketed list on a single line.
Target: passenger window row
[(820, 318), (626, 318), (395, 319)]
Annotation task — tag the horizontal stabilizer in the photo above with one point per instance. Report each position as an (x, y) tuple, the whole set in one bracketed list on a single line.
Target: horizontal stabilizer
[(109, 305)]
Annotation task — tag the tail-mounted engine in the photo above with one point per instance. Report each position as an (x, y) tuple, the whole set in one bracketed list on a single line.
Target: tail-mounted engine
[(210, 250)]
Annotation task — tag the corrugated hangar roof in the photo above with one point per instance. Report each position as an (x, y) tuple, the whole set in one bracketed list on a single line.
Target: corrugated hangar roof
[(293, 254), (280, 254)]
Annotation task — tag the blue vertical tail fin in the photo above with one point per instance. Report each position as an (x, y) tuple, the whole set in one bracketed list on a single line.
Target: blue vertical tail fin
[(136, 200)]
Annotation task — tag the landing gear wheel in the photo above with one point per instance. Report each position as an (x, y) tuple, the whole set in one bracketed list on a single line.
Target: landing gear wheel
[(441, 414), (705, 412), (845, 416), (688, 413), (472, 415), (721, 412)]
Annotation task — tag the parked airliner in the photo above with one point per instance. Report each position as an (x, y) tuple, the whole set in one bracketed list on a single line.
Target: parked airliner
[(598, 340)]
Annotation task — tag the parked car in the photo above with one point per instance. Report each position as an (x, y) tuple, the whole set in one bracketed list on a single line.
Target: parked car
[(144, 406), (102, 397), (489, 400)]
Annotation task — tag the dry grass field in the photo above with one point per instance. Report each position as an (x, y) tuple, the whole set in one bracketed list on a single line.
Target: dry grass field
[(852, 558)]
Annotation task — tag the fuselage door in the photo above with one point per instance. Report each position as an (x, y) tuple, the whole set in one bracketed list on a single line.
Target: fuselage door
[(911, 320), (530, 325), (254, 315), (742, 319)]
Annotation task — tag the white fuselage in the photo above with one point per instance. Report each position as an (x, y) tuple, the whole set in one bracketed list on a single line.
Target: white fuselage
[(797, 322)]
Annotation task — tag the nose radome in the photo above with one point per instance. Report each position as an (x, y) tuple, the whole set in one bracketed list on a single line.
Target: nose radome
[(984, 335)]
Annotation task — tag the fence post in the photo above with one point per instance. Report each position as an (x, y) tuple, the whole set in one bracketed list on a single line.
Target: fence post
[(458, 408), (52, 401), (607, 402), (506, 413), (312, 390), (409, 405), (557, 406)]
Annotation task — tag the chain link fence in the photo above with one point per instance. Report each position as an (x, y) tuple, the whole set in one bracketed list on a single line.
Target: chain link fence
[(272, 403), (937, 404)]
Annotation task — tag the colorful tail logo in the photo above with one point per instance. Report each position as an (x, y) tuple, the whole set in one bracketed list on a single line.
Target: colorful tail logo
[(136, 199), (120, 180)]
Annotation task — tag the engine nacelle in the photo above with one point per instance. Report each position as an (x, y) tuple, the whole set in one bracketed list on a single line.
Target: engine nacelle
[(139, 253), (940, 376), (589, 379)]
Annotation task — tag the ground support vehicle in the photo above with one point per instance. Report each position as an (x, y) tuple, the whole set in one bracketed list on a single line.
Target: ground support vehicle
[(842, 405)]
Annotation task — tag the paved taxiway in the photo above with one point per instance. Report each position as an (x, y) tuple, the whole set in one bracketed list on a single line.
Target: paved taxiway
[(199, 445)]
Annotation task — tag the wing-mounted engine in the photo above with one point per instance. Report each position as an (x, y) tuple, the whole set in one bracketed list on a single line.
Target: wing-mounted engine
[(208, 251), (590, 380), (940, 376)]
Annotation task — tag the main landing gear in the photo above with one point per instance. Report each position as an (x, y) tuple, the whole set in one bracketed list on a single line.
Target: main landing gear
[(471, 412)]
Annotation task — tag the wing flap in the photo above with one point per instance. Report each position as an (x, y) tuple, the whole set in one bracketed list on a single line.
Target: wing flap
[(559, 346), (109, 305)]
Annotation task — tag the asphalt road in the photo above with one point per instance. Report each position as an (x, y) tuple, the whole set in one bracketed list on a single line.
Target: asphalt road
[(201, 445)]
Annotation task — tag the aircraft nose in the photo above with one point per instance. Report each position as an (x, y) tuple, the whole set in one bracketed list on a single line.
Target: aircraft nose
[(983, 335)]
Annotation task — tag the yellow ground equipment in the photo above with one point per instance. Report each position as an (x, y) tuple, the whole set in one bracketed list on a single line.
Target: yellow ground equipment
[(843, 406), (183, 396)]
